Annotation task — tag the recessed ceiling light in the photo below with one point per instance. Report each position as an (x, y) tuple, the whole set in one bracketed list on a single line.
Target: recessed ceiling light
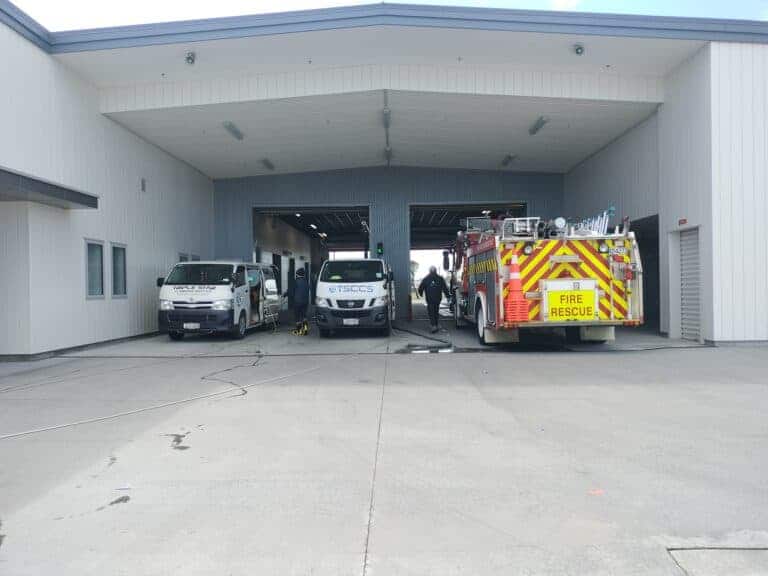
[(508, 159), (234, 131), (313, 226), (298, 215), (541, 121)]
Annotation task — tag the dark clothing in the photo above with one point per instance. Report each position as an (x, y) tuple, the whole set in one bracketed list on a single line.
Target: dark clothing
[(433, 286), (300, 312), (433, 309), (301, 292)]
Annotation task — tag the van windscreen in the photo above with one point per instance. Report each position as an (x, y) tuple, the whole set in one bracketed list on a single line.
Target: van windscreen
[(200, 274), (352, 271)]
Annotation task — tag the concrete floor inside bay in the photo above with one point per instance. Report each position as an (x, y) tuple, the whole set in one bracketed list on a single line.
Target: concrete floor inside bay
[(208, 456)]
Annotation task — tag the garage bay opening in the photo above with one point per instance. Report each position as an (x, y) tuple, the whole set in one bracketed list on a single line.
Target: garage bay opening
[(433, 233)]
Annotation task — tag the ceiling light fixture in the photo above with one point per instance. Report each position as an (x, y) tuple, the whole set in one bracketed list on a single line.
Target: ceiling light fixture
[(230, 127), (298, 215), (541, 121), (508, 159), (578, 49), (267, 163), (313, 226)]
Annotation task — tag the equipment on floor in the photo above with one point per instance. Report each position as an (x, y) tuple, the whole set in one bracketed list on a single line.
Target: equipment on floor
[(527, 273)]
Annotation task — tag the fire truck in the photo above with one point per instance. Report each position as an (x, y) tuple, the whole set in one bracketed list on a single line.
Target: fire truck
[(518, 274)]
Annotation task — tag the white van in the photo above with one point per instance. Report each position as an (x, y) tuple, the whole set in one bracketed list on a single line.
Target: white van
[(354, 294), (210, 297)]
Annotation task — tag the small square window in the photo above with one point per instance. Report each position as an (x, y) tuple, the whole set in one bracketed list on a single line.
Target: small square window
[(119, 287), (194, 258), (183, 257), (95, 268)]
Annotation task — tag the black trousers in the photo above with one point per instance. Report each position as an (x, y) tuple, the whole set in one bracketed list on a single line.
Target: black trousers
[(433, 307), (300, 312)]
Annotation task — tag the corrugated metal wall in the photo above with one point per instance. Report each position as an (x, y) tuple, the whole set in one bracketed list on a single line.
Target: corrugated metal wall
[(625, 174), (14, 278), (388, 191), (664, 166), (740, 191), (52, 130), (685, 184)]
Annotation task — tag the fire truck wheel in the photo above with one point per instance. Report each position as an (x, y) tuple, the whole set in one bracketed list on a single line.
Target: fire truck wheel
[(457, 317), (480, 320)]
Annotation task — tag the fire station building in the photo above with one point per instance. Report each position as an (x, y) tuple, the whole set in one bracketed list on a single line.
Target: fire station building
[(281, 137)]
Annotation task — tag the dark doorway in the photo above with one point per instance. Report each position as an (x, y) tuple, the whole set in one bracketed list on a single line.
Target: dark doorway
[(291, 280), (277, 262), (647, 232), (435, 227)]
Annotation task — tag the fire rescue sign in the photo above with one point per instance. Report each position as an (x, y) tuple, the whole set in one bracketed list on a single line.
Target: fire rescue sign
[(568, 305)]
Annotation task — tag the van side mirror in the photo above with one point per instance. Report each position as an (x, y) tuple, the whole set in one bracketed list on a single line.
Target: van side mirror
[(160, 282), (446, 261)]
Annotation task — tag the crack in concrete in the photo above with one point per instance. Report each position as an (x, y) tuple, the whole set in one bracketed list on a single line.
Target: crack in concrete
[(373, 477), (120, 500), (212, 376)]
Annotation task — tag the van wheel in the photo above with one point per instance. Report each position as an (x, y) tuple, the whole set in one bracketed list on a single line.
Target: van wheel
[(176, 335), (239, 331), (480, 320)]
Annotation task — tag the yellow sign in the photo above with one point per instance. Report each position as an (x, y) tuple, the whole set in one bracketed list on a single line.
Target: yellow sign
[(566, 305)]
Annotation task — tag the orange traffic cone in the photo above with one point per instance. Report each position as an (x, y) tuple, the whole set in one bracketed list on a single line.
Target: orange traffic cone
[(516, 306)]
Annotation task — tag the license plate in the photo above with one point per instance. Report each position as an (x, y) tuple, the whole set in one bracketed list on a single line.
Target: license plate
[(350, 321), (191, 325), (568, 305)]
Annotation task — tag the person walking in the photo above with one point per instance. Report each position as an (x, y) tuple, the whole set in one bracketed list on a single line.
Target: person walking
[(301, 302), (434, 286)]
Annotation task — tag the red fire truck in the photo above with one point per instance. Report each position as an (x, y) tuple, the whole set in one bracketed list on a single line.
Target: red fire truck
[(527, 274)]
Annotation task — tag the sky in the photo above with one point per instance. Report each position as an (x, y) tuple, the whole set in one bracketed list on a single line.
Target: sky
[(59, 15)]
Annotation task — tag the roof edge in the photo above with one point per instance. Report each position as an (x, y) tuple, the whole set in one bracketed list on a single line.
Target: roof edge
[(433, 16), (26, 26)]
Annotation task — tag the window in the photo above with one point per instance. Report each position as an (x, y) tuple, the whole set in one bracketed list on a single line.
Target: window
[(352, 271), (118, 271), (254, 276), (183, 257), (194, 258), (94, 268), (240, 276)]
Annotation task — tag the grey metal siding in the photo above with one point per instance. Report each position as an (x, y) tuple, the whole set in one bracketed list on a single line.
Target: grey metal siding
[(388, 191), (624, 174)]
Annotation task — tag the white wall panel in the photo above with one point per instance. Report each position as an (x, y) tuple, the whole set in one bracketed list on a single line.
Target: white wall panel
[(53, 131), (740, 187), (14, 278), (685, 183), (458, 79), (624, 174)]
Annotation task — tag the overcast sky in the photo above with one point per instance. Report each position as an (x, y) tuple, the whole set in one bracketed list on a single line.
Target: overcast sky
[(77, 14)]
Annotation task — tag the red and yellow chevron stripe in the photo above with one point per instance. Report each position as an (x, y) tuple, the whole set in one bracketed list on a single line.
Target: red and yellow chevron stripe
[(589, 263)]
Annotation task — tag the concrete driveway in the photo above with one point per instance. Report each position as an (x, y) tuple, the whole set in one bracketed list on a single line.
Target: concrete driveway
[(122, 461)]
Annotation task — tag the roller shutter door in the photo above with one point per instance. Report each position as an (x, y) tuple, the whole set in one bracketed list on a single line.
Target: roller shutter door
[(690, 285)]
